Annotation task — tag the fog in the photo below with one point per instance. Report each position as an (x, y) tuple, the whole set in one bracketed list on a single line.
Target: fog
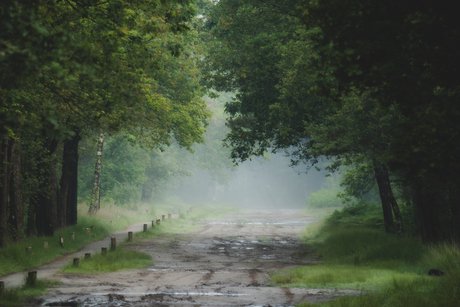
[(254, 184)]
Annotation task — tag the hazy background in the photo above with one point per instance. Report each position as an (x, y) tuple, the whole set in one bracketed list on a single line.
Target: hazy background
[(255, 184)]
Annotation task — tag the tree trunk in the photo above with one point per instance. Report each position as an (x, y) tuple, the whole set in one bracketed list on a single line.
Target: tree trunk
[(95, 204), (72, 194), (16, 197), (393, 202), (425, 199), (69, 181), (4, 190), (46, 202), (385, 196)]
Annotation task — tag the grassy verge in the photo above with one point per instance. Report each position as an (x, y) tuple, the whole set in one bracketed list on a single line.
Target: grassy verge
[(117, 260), (394, 270), (15, 297), (14, 258)]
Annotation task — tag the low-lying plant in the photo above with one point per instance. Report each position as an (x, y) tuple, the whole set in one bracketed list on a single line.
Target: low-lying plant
[(17, 296), (117, 260)]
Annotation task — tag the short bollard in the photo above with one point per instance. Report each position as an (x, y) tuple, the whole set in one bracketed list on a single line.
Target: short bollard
[(61, 241), (158, 222), (130, 236), (145, 227), (88, 231), (113, 244), (169, 215), (31, 278), (72, 235), (29, 250), (76, 261), (163, 217), (87, 255), (45, 244), (104, 251), (2, 288), (153, 224)]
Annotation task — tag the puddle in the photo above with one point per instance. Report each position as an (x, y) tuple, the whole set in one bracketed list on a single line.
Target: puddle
[(287, 223), (66, 304), (229, 294)]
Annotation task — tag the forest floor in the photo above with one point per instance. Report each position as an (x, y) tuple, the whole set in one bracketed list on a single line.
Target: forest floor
[(224, 263)]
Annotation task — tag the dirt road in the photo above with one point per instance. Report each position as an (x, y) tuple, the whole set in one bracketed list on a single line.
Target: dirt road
[(225, 263)]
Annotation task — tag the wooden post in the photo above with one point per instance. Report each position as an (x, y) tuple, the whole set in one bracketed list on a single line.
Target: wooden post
[(92, 227), (72, 235), (29, 250), (130, 236), (104, 251), (76, 261), (88, 231), (87, 255), (169, 215), (31, 278), (158, 222), (163, 217), (2, 288), (45, 245), (145, 227), (153, 224), (113, 244), (61, 241)]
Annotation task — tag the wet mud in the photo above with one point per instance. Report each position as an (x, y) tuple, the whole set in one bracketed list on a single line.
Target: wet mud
[(224, 263)]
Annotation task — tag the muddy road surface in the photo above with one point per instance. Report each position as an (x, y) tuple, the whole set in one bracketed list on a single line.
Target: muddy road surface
[(224, 263)]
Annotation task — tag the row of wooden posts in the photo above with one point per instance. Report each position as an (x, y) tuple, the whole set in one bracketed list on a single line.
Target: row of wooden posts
[(32, 275)]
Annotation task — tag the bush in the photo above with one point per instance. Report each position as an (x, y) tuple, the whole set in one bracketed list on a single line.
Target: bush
[(362, 213), (324, 198)]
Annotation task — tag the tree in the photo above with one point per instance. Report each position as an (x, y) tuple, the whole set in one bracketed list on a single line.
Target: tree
[(406, 51), (263, 52)]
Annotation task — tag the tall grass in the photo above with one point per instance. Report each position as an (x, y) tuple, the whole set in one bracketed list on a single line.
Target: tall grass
[(394, 269), (13, 257), (117, 260)]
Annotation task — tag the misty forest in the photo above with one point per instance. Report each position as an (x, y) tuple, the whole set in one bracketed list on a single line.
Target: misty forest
[(339, 116)]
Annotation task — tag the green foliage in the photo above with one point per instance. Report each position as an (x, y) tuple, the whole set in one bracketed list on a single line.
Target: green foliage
[(118, 260), (361, 213), (324, 198), (17, 296), (362, 258), (13, 258)]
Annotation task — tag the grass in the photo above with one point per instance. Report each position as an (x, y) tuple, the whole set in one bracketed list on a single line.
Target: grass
[(13, 258), (118, 260), (16, 297), (392, 271)]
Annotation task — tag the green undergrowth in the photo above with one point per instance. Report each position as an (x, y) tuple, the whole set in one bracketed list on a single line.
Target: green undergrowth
[(13, 258), (17, 296), (391, 271), (117, 260)]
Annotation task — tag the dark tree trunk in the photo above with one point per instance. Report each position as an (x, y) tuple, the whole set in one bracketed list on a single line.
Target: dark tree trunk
[(47, 199), (72, 196), (385, 195), (69, 180), (31, 218), (4, 190), (16, 218), (428, 207)]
